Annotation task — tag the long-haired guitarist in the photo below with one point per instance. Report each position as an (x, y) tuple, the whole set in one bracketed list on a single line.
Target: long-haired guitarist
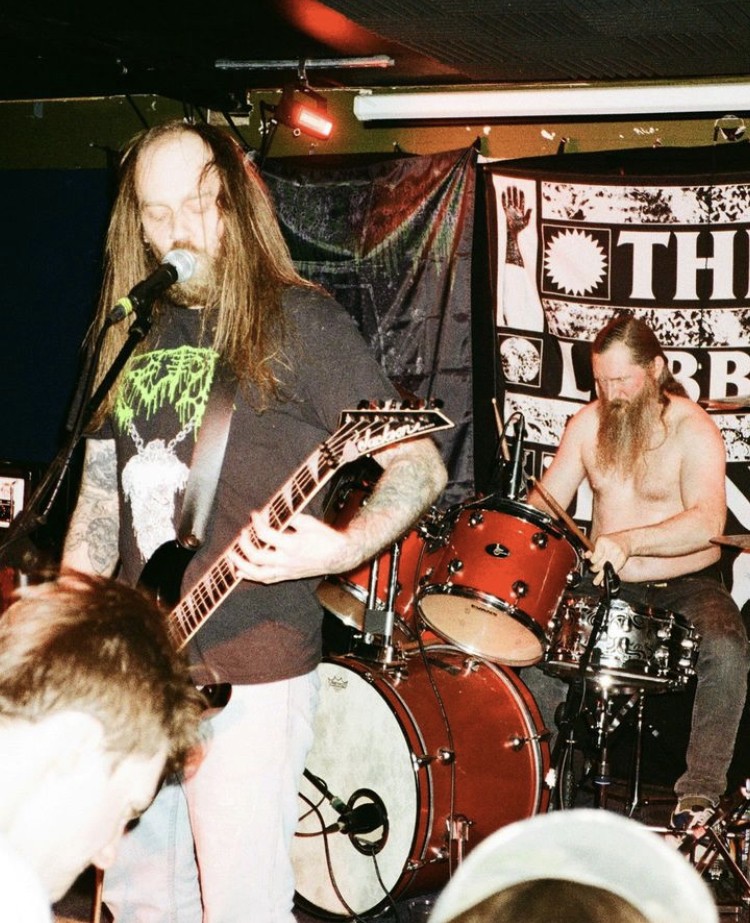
[(298, 361)]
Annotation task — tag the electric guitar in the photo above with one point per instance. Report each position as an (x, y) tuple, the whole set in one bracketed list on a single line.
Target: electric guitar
[(360, 432)]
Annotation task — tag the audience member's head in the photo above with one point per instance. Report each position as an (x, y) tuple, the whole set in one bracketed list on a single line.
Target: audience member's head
[(581, 866), (95, 707)]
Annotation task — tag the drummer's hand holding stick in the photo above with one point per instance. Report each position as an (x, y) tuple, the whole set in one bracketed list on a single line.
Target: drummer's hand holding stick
[(605, 558)]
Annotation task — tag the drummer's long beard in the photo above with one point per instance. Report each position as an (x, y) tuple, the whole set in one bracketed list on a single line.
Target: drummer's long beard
[(626, 430)]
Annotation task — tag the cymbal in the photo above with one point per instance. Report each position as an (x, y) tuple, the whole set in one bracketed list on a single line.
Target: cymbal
[(733, 541), (735, 402)]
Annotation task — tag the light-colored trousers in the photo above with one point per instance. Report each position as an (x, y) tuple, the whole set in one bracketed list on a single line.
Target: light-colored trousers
[(215, 848)]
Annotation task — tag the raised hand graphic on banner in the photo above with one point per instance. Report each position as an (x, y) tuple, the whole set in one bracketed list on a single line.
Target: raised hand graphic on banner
[(518, 304)]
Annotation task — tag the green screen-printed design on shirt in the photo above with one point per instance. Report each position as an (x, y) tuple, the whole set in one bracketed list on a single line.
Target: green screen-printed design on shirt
[(180, 378)]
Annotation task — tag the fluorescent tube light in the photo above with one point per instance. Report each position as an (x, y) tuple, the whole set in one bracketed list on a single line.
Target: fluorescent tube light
[(574, 102)]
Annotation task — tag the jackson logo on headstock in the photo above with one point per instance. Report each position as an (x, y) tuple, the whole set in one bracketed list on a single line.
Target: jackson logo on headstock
[(387, 435)]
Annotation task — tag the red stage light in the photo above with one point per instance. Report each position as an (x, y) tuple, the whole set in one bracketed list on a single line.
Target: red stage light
[(311, 121), (303, 110)]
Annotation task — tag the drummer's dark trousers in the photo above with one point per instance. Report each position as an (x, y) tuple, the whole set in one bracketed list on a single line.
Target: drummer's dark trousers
[(722, 667)]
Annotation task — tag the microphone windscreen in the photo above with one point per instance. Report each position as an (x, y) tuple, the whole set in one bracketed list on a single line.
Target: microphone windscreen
[(183, 261)]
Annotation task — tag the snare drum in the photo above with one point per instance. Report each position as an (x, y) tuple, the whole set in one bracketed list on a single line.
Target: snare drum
[(638, 647), (434, 770), (491, 585)]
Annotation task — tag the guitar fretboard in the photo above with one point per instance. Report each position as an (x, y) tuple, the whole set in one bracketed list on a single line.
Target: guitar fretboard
[(219, 581)]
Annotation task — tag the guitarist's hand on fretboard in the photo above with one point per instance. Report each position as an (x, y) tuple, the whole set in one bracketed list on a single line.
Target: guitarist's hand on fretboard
[(309, 548)]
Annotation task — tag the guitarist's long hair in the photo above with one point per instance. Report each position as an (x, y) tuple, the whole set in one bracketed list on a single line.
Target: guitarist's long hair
[(246, 322)]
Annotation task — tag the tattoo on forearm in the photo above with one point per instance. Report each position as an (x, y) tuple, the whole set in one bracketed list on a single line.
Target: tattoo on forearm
[(101, 468), (93, 535), (91, 542), (404, 492)]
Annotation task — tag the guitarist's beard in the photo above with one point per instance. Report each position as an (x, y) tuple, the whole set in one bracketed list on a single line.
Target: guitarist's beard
[(203, 287)]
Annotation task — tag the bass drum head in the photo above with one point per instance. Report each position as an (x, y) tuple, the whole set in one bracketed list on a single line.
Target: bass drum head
[(383, 741)]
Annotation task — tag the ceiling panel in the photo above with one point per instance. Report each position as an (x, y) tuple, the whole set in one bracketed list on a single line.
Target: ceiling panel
[(72, 49)]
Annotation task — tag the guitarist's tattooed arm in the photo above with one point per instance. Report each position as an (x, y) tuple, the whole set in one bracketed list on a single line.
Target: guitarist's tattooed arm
[(413, 477), (91, 542)]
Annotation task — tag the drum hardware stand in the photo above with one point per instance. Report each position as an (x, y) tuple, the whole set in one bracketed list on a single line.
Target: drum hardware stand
[(604, 722), (381, 622), (714, 842), (634, 801), (459, 833)]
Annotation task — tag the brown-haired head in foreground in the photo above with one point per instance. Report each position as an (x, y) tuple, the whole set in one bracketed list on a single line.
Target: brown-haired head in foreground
[(548, 899), (92, 645)]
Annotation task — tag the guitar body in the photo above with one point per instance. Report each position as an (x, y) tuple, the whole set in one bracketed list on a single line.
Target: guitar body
[(164, 570), (162, 578)]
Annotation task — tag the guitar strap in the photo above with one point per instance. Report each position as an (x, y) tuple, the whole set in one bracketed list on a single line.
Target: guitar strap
[(208, 457)]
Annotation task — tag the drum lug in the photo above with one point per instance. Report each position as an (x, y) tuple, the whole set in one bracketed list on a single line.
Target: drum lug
[(540, 539), (444, 755), (518, 741), (439, 855), (520, 588), (455, 565), (476, 519)]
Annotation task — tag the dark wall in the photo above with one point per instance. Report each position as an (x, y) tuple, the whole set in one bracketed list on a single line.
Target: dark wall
[(51, 240)]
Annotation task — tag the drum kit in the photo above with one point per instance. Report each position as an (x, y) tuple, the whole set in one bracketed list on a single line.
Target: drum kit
[(426, 738)]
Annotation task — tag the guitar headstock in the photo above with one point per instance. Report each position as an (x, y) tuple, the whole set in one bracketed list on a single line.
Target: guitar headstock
[(376, 424)]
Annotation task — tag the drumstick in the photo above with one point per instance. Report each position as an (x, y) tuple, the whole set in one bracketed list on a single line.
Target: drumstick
[(499, 424), (561, 514)]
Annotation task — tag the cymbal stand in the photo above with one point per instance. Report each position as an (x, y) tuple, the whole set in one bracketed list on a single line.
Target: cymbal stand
[(634, 801)]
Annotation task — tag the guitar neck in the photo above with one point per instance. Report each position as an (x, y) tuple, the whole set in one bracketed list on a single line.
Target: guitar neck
[(218, 582)]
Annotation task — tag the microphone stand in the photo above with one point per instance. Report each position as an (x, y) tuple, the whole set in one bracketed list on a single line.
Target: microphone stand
[(17, 550)]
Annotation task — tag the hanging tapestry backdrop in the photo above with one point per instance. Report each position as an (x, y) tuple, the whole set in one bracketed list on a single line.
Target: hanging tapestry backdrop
[(573, 248), (392, 242)]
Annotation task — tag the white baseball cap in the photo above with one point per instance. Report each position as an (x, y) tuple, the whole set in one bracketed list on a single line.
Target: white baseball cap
[(593, 847)]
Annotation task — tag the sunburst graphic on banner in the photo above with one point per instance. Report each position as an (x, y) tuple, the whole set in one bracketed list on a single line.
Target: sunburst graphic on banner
[(575, 262)]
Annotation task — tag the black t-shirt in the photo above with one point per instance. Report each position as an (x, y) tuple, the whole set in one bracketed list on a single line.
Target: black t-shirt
[(259, 633)]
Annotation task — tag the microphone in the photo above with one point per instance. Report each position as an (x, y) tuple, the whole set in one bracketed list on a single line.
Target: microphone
[(515, 480), (364, 818), (177, 266), (611, 580)]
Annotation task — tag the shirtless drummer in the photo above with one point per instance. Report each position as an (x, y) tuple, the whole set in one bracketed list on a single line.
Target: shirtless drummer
[(655, 462)]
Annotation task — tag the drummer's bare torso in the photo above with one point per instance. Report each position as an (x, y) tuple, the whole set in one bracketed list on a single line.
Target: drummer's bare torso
[(651, 493)]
